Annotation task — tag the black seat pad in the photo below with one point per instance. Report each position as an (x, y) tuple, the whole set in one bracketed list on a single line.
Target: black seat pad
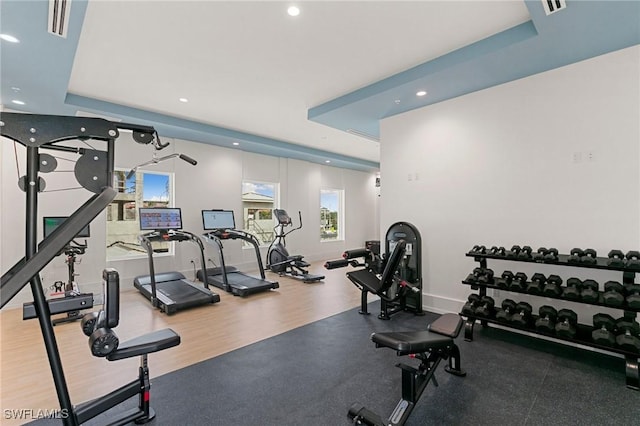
[(147, 343), (365, 279), (440, 335)]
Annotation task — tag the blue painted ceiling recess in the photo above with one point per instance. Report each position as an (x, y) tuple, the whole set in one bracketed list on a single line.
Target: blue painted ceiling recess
[(39, 68)]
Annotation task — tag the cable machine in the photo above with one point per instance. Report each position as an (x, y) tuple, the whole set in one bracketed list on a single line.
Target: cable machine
[(94, 172)]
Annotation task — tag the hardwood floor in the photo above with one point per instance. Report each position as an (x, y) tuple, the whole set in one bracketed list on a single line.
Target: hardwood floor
[(206, 332)]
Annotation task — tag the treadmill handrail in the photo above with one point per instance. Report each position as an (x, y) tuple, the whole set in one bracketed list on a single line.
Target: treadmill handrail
[(240, 235)]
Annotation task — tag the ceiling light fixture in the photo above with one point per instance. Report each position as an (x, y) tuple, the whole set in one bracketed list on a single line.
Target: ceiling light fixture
[(9, 38), (421, 93), (236, 143), (183, 100), (327, 161), (17, 102), (293, 11)]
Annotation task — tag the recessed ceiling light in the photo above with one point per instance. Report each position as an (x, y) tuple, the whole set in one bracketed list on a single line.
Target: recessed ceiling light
[(17, 102), (293, 11), (421, 93), (15, 89), (9, 38), (184, 100), (327, 161), (236, 143), (397, 101)]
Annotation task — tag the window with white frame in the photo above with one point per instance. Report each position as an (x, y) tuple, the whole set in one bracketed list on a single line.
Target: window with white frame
[(331, 215), (143, 189), (258, 201)]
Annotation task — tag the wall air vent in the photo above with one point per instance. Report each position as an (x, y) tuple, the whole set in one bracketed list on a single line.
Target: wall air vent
[(59, 17), (552, 6), (363, 135)]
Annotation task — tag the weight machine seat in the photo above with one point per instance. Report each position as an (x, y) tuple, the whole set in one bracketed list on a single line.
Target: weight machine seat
[(147, 343), (369, 281), (440, 335)]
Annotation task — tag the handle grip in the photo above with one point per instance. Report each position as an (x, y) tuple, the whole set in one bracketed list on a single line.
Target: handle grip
[(188, 159), (335, 264)]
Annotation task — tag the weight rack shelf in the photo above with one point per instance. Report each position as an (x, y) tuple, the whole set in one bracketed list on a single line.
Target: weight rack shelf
[(563, 260), (582, 337), (600, 302), (583, 332)]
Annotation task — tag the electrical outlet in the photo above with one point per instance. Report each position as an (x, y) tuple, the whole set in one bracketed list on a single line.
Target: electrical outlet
[(577, 157)]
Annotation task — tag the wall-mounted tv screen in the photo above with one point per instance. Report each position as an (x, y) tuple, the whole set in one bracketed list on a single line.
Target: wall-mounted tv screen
[(160, 218), (51, 223), (218, 219)]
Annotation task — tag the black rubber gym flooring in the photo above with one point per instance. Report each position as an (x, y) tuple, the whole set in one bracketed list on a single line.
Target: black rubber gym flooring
[(312, 375)]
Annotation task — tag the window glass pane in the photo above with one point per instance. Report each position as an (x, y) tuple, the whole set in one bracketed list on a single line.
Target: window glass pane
[(143, 189), (258, 201), (331, 215)]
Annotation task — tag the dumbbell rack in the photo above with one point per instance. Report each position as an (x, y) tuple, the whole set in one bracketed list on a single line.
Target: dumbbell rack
[(583, 332)]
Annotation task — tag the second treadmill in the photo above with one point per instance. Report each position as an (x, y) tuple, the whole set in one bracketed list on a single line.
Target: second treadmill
[(221, 226)]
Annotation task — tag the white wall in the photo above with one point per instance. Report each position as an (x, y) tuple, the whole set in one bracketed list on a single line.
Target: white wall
[(497, 167), (216, 182)]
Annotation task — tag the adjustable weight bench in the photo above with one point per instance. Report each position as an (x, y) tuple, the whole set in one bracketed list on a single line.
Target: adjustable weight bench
[(430, 347)]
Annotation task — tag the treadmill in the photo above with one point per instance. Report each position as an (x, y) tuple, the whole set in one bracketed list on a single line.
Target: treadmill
[(169, 291), (221, 226)]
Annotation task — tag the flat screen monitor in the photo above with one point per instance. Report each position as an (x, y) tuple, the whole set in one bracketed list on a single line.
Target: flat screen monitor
[(218, 219), (51, 223), (160, 218)]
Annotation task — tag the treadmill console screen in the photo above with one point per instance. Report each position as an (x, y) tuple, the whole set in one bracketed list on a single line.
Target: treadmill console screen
[(51, 223), (160, 218), (218, 219)]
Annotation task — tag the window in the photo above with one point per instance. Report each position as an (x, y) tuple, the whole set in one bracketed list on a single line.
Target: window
[(144, 189), (258, 201), (331, 215)]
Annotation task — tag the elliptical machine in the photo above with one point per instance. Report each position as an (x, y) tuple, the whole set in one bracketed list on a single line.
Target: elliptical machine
[(278, 258)]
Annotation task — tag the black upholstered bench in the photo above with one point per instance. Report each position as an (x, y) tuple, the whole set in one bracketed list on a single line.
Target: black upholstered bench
[(430, 347)]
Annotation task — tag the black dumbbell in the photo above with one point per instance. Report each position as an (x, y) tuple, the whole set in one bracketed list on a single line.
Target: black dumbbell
[(633, 295), (616, 258), (552, 286), (589, 291), (572, 290), (515, 250), (537, 284), (504, 280), (575, 255), (493, 250), (604, 329), (629, 340), (508, 308), (469, 308), (633, 259), (486, 277), (525, 252), (519, 282), (475, 275), (567, 321), (539, 254), (478, 249), (589, 257), (546, 322), (486, 308), (522, 314), (613, 293), (551, 255)]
